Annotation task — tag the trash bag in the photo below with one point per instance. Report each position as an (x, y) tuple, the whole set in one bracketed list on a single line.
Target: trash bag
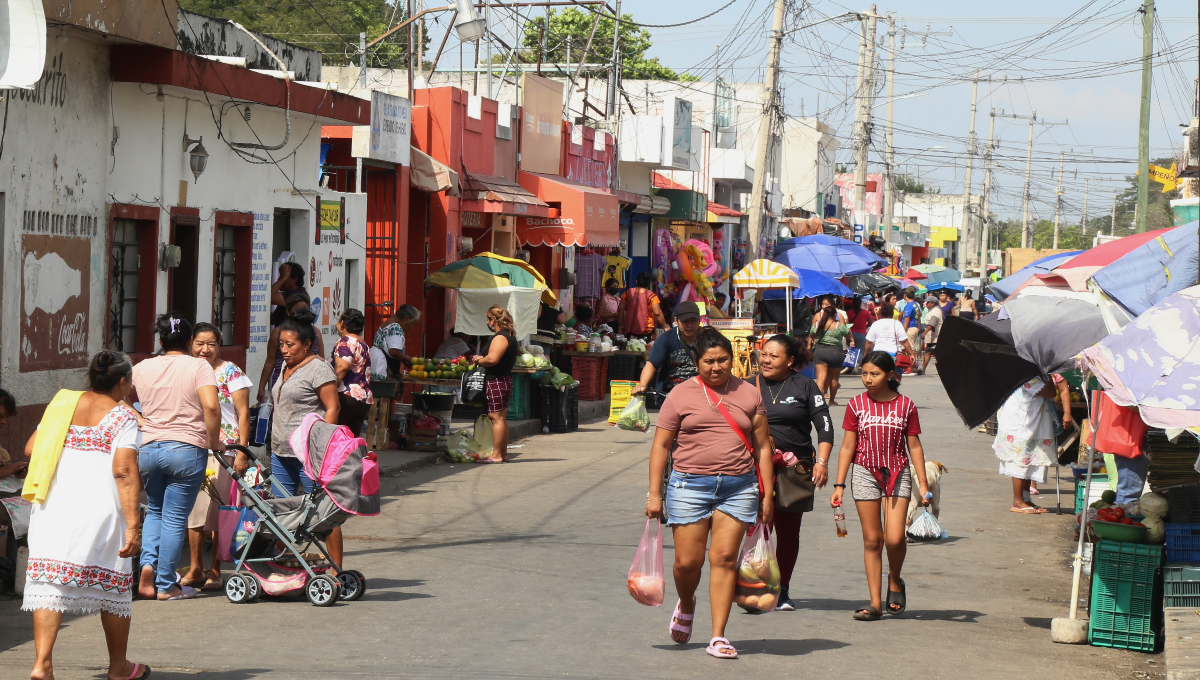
[(646, 581), (634, 416), (926, 527), (757, 586), (471, 447)]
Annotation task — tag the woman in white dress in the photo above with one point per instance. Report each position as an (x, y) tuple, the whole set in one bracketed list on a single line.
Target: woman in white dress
[(1025, 442), (86, 527)]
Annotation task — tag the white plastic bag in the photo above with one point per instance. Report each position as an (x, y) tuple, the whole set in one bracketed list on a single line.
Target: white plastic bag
[(926, 527)]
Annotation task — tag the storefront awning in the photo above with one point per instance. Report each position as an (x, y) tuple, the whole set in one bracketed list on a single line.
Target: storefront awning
[(719, 214), (493, 194), (653, 205), (587, 216), (430, 175)]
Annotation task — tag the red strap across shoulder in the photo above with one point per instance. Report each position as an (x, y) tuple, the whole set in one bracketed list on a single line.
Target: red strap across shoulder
[(737, 430)]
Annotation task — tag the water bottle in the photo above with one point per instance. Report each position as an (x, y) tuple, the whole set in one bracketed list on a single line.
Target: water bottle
[(839, 521)]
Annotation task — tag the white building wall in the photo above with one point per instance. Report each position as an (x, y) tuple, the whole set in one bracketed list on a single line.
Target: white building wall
[(808, 151)]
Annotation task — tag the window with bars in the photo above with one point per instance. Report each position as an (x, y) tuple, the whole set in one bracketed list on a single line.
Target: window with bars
[(224, 282), (123, 298)]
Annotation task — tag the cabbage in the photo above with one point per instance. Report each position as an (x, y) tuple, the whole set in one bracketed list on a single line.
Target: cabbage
[(1153, 505), (524, 360), (634, 416), (541, 362), (1155, 529), (562, 380)]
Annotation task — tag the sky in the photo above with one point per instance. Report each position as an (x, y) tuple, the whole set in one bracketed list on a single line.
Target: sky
[(1076, 62)]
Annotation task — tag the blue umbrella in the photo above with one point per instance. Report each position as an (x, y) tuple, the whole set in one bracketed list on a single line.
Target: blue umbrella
[(1007, 286), (824, 240), (1146, 275), (812, 284), (945, 285), (829, 260)]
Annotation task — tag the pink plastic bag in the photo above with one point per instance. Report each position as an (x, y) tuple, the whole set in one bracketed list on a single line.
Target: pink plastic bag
[(758, 575), (646, 572), (227, 521)]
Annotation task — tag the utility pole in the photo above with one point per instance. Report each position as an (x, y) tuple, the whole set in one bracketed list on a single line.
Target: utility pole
[(1143, 177), (1058, 199), (966, 226), (889, 153), (984, 240), (1028, 169), (765, 125), (1112, 226), (570, 82), (487, 27), (362, 57), (613, 104), (1083, 226), (862, 120)]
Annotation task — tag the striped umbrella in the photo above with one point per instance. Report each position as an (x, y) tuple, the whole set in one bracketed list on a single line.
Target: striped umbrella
[(763, 273)]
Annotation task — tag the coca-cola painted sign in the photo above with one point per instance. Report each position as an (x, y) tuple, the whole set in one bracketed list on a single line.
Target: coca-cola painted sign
[(56, 272)]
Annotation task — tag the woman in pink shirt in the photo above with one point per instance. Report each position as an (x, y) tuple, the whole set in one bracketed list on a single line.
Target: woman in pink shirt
[(181, 422)]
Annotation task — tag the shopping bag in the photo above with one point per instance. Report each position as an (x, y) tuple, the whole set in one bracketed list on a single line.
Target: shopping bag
[(634, 416), (260, 429), (646, 572), (227, 521), (757, 588), (243, 528), (852, 356), (926, 527), (473, 391)]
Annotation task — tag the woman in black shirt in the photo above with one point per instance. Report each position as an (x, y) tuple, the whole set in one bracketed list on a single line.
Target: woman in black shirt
[(794, 405), (498, 359)]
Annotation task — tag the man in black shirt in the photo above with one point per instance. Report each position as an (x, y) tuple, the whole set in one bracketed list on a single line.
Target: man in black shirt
[(290, 282)]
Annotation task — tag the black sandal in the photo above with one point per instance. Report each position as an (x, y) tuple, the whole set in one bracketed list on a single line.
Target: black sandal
[(899, 599), (867, 613)]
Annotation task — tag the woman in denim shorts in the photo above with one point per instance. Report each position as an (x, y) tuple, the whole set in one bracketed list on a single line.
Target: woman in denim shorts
[(713, 487)]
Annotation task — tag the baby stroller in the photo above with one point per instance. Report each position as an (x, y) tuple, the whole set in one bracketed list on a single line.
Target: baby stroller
[(274, 539)]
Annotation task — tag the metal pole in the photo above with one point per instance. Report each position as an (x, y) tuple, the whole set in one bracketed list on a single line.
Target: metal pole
[(985, 252), (1143, 178), (1025, 194), (1112, 226), (362, 58), (966, 228), (889, 153), (1083, 227), (1058, 199), (571, 82), (487, 23), (862, 126), (409, 59), (612, 105), (771, 88)]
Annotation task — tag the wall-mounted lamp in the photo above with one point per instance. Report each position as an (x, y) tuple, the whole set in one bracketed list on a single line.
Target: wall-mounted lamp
[(198, 157), (466, 244), (169, 256)]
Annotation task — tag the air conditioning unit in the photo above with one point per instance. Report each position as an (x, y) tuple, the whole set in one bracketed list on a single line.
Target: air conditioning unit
[(1191, 159)]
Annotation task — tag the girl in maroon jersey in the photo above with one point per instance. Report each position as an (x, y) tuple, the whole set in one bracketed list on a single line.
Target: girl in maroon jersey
[(878, 422)]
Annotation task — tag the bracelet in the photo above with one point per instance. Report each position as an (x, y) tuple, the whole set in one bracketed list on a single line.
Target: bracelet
[(839, 486), (823, 463), (653, 498)]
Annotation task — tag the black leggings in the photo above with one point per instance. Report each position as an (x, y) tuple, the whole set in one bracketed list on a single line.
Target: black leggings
[(352, 413)]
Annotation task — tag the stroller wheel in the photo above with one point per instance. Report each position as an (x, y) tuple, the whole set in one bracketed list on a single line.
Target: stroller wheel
[(241, 589), (323, 590), (255, 587), (353, 585)]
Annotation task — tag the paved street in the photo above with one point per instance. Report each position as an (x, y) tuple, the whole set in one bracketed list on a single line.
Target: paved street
[(519, 571)]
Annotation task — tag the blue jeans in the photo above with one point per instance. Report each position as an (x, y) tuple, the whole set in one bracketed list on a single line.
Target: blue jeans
[(289, 475), (860, 341), (1131, 477), (172, 473), (691, 497)]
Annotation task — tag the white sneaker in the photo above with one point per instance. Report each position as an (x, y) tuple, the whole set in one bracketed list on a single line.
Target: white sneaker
[(785, 605)]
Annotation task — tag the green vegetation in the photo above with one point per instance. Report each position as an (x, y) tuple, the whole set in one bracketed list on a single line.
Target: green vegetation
[(577, 24), (911, 185)]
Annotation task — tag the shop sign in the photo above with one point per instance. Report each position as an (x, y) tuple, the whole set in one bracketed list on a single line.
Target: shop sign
[(331, 221), (678, 140), (55, 293), (388, 137), (471, 219), (541, 124)]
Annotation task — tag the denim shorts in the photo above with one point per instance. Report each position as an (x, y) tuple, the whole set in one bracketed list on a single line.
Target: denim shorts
[(691, 498)]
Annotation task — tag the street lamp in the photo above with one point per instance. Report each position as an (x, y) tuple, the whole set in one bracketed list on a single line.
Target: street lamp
[(468, 24)]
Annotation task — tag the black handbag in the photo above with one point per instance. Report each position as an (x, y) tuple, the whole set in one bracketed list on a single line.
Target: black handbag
[(794, 486), (473, 390)]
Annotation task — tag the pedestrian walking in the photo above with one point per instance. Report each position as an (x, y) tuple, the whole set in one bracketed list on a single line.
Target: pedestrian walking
[(498, 358), (85, 524), (966, 306), (879, 423), (932, 320), (828, 331), (794, 407), (888, 335), (351, 361), (233, 394), (860, 319), (640, 311), (306, 385), (297, 305), (14, 511), (720, 425), (672, 354), (910, 318), (1025, 442), (181, 421)]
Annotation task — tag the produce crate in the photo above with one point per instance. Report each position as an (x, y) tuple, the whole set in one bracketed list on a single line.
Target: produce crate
[(1184, 505), (625, 367), (592, 374), (622, 392), (422, 440), (560, 409), (1124, 604), (1183, 542), (1099, 486), (1181, 585), (519, 404)]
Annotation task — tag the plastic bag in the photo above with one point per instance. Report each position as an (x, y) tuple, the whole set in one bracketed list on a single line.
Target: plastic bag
[(472, 447), (562, 380), (646, 573), (926, 527), (757, 588), (634, 416)]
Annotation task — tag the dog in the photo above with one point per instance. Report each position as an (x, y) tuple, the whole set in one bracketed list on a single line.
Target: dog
[(933, 477)]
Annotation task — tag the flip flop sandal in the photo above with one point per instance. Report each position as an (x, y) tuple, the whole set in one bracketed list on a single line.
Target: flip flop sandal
[(720, 648), (191, 583), (213, 584), (134, 674), (867, 613), (897, 598), (677, 627), (185, 593), (1031, 510)]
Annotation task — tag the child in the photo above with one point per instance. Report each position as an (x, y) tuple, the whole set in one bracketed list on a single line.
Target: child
[(877, 423)]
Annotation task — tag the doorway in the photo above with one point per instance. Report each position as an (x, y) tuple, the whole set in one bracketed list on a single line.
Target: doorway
[(186, 235)]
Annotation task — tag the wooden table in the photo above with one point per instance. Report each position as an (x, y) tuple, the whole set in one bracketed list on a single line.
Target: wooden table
[(572, 353)]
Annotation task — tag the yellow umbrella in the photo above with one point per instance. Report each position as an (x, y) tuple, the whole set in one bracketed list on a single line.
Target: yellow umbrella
[(763, 273), (489, 271)]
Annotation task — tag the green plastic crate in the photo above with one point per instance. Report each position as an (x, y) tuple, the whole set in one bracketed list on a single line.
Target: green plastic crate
[(1181, 585), (1123, 595), (1081, 489), (520, 406)]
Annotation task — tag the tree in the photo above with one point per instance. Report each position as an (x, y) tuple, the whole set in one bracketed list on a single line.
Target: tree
[(331, 30), (910, 185), (576, 24)]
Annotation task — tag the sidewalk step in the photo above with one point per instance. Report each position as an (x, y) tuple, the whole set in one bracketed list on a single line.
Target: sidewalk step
[(1182, 643)]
